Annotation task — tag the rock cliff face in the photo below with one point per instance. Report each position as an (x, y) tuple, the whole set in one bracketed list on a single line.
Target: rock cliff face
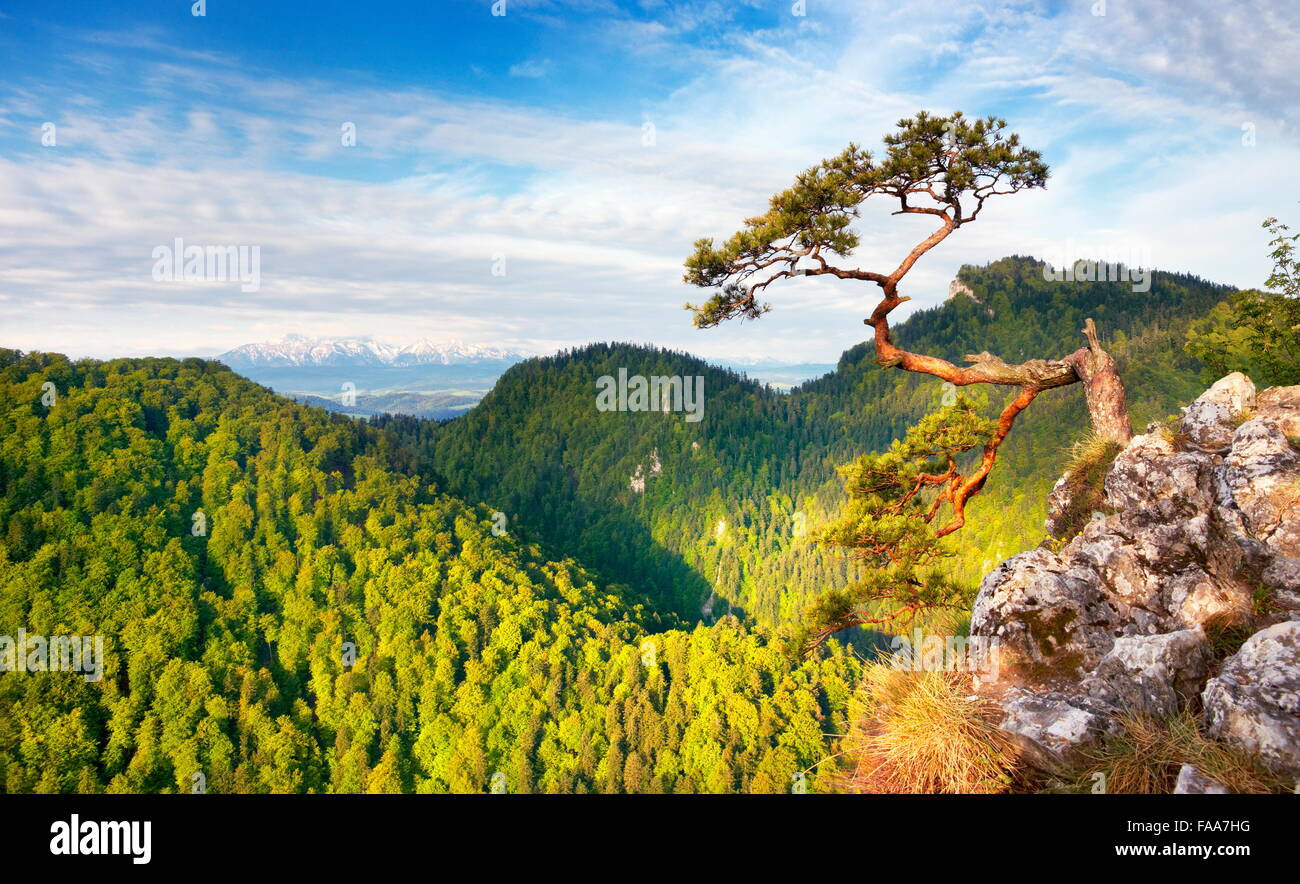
[(1199, 541), (957, 287)]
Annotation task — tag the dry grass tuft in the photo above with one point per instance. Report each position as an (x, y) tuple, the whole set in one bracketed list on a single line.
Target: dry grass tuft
[(1090, 454), (1228, 630), (1170, 429), (1086, 466), (1146, 757), (923, 732)]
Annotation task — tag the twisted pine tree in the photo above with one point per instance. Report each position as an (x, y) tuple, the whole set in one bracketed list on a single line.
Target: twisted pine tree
[(946, 168)]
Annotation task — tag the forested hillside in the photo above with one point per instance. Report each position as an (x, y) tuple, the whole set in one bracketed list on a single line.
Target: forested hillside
[(722, 522), (293, 601), (283, 610), (707, 522), (1018, 315)]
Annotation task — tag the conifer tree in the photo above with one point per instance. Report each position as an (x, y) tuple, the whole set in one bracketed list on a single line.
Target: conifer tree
[(945, 168)]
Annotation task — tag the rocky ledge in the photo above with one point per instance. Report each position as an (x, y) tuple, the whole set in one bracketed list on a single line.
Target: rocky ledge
[(1183, 591)]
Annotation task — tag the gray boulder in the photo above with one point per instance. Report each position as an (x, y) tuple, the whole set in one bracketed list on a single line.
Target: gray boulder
[(1052, 728), (1152, 674), (1208, 423), (1254, 701), (1192, 782), (1049, 621)]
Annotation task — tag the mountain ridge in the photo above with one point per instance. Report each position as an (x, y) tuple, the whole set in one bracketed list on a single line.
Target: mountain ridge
[(302, 350)]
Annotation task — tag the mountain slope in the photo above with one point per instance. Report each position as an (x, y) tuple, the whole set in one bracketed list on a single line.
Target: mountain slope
[(281, 611), (762, 464), (538, 450)]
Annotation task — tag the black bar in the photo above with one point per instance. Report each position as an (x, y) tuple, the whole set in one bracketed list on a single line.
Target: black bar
[(1049, 834)]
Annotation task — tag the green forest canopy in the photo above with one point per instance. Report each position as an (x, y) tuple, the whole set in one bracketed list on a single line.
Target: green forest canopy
[(481, 655), (475, 654)]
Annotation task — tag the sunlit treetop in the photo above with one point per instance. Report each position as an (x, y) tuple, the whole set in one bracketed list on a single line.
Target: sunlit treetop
[(943, 166)]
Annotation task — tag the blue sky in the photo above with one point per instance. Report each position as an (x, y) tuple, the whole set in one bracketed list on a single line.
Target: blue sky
[(580, 147)]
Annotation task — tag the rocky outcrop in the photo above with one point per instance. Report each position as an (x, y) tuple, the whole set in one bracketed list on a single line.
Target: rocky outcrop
[(1158, 674), (1209, 423), (957, 287), (1201, 534), (1254, 701)]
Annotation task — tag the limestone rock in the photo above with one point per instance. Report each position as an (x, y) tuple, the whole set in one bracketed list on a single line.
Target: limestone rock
[(1254, 701), (957, 287), (1262, 475), (1047, 620), (1209, 422), (1194, 535), (1117, 619), (1192, 782), (1058, 503), (1152, 674), (1149, 470), (1281, 404), (1051, 728)]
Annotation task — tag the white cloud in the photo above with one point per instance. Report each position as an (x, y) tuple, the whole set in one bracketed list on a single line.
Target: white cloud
[(1144, 141)]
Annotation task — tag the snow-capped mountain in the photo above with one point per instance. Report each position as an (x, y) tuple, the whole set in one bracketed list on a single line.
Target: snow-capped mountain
[(298, 350)]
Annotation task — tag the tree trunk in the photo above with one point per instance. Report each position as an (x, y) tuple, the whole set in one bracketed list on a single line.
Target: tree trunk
[(1104, 391)]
